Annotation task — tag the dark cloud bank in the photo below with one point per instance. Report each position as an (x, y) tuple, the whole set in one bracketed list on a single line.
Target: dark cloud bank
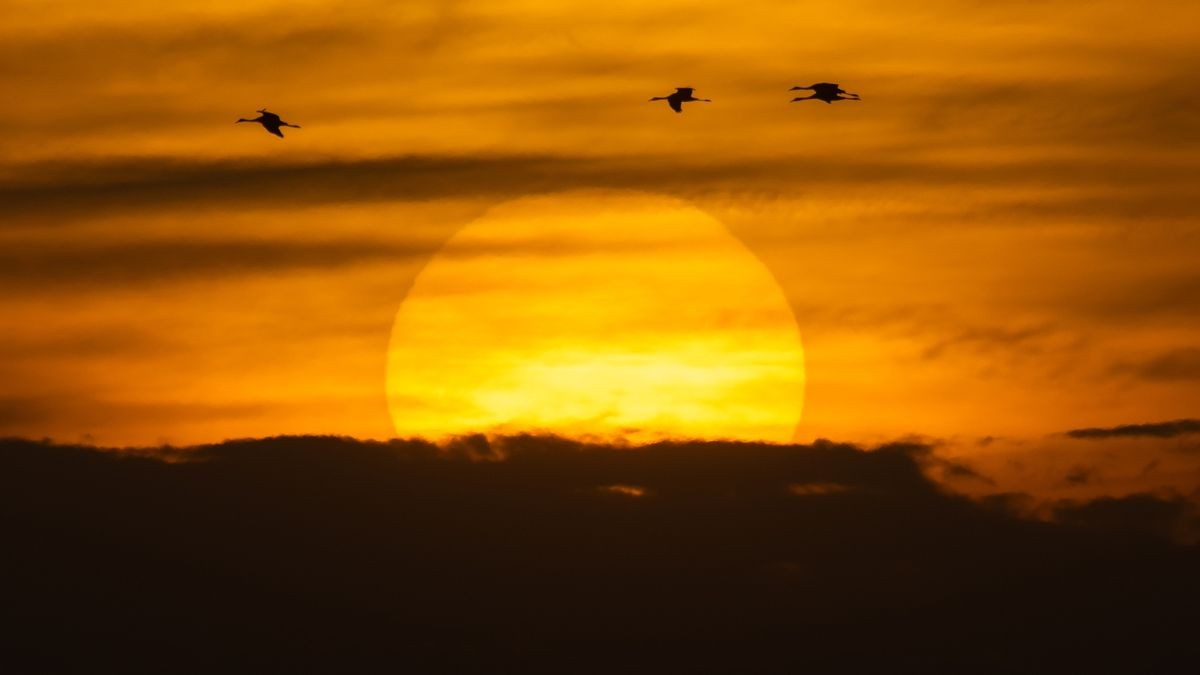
[(330, 555)]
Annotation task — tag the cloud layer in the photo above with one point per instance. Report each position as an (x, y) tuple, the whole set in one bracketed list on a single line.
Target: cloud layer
[(531, 554)]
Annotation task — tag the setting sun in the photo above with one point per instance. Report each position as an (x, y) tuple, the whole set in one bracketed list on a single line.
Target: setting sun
[(597, 314)]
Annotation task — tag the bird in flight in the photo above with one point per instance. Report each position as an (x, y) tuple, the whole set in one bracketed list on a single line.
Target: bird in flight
[(270, 122), (825, 91), (681, 96)]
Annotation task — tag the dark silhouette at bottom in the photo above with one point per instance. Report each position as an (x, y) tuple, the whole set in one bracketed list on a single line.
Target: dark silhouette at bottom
[(328, 555)]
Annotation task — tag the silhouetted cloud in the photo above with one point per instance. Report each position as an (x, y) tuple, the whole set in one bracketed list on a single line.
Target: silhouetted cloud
[(537, 554), (1152, 430), (1136, 513), (957, 470)]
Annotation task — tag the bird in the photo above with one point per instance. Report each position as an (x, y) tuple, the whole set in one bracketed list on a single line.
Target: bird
[(270, 122), (681, 96), (826, 91)]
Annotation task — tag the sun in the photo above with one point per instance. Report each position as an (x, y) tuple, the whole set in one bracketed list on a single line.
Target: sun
[(602, 315)]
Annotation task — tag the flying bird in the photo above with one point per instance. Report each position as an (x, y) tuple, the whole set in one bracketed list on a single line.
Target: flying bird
[(825, 91), (681, 96), (270, 122)]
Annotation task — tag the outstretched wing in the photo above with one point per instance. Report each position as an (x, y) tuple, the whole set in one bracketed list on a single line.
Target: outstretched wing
[(675, 103), (273, 128), (685, 91)]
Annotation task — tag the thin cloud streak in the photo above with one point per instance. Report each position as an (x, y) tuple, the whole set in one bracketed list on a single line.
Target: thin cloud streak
[(121, 185), (1170, 429)]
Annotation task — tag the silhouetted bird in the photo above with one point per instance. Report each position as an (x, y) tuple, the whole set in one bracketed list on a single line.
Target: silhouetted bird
[(270, 122), (826, 91), (682, 95)]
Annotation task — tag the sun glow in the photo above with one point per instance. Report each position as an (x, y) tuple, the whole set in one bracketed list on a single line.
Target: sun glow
[(596, 314)]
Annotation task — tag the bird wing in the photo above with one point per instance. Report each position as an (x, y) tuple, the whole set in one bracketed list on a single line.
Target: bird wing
[(686, 91), (273, 128), (675, 103), (271, 117), (826, 87)]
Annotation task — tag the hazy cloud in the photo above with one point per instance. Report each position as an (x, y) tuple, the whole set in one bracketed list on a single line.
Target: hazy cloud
[(85, 263), (1080, 475), (87, 410), (39, 190), (1153, 430), (1182, 364)]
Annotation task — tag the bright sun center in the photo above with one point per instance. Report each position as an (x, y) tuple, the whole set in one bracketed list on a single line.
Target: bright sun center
[(604, 315)]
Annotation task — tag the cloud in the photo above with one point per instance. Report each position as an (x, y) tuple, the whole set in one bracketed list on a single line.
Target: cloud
[(86, 411), (1176, 365), (1080, 475), (1023, 339), (1137, 513), (37, 266), (84, 265), (957, 471), (66, 188), (514, 554), (1151, 430), (132, 185)]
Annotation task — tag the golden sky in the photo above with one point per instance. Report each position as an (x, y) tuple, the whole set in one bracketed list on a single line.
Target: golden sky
[(999, 241)]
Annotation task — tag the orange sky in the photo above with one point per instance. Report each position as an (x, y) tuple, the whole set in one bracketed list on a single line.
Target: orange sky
[(1000, 240)]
